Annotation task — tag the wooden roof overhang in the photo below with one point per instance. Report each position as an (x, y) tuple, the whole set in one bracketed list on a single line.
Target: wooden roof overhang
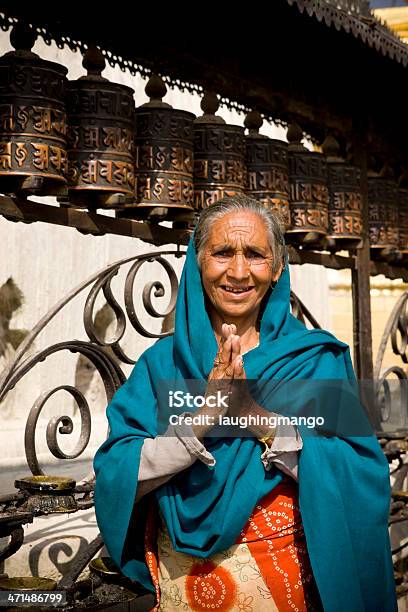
[(302, 60)]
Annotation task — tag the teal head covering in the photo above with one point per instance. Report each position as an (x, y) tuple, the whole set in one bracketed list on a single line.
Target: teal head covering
[(344, 489)]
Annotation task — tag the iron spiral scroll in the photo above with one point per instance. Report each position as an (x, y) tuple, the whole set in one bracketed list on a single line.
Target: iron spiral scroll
[(394, 441), (106, 356), (395, 331)]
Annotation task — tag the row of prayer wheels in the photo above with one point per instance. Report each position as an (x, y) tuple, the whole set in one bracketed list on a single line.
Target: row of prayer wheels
[(84, 142)]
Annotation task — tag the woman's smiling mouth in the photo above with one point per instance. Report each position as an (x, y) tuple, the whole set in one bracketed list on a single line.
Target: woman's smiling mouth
[(236, 291)]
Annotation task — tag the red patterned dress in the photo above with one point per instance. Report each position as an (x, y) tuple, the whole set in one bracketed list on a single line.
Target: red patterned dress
[(267, 569)]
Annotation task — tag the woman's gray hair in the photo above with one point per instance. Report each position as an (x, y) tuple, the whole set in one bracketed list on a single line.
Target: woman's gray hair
[(272, 220)]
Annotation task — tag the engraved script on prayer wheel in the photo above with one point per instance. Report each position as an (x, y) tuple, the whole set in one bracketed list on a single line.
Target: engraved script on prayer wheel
[(218, 156), (33, 154), (309, 196), (382, 213), (164, 158), (100, 138), (345, 206), (267, 169)]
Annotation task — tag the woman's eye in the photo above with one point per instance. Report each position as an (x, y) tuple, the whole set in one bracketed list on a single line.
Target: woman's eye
[(254, 255), (223, 253)]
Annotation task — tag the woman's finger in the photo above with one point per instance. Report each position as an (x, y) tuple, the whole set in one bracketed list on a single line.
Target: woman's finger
[(225, 352), (226, 330), (224, 336), (238, 369), (235, 347)]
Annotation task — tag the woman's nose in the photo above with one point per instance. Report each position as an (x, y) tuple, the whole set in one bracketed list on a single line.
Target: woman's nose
[(239, 268)]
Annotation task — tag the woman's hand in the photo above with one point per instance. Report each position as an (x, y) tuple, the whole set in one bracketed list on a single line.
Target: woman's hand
[(241, 403), (228, 373), (231, 368), (228, 356), (229, 378), (219, 381)]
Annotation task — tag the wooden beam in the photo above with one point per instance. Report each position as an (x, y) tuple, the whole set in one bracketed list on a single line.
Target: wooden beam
[(27, 211), (391, 272), (328, 260)]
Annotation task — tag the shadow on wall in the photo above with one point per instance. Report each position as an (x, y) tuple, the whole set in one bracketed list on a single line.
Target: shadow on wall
[(11, 299)]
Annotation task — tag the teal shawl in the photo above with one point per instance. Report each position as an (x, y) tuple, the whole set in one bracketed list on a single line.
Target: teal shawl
[(344, 486)]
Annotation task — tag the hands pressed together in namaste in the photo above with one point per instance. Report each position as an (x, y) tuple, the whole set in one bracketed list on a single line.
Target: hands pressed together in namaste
[(228, 362), (228, 376), (228, 369)]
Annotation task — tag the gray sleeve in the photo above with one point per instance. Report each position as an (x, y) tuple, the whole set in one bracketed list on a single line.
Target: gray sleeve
[(284, 450), (164, 456)]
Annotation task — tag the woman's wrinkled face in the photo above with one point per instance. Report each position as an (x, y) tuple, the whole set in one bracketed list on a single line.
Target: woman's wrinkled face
[(236, 266)]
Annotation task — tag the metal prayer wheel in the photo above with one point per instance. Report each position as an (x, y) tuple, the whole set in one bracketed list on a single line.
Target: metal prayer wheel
[(33, 152), (383, 219), (309, 195), (100, 138), (266, 175), (219, 151), (403, 216), (164, 159), (345, 205)]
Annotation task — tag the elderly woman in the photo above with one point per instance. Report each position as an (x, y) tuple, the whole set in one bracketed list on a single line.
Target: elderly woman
[(276, 519)]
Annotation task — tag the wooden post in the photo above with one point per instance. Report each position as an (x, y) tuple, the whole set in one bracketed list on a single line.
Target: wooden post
[(360, 278)]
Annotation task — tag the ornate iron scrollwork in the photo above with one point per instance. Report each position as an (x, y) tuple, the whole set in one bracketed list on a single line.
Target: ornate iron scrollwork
[(65, 428), (395, 442), (105, 355), (396, 324), (396, 331)]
